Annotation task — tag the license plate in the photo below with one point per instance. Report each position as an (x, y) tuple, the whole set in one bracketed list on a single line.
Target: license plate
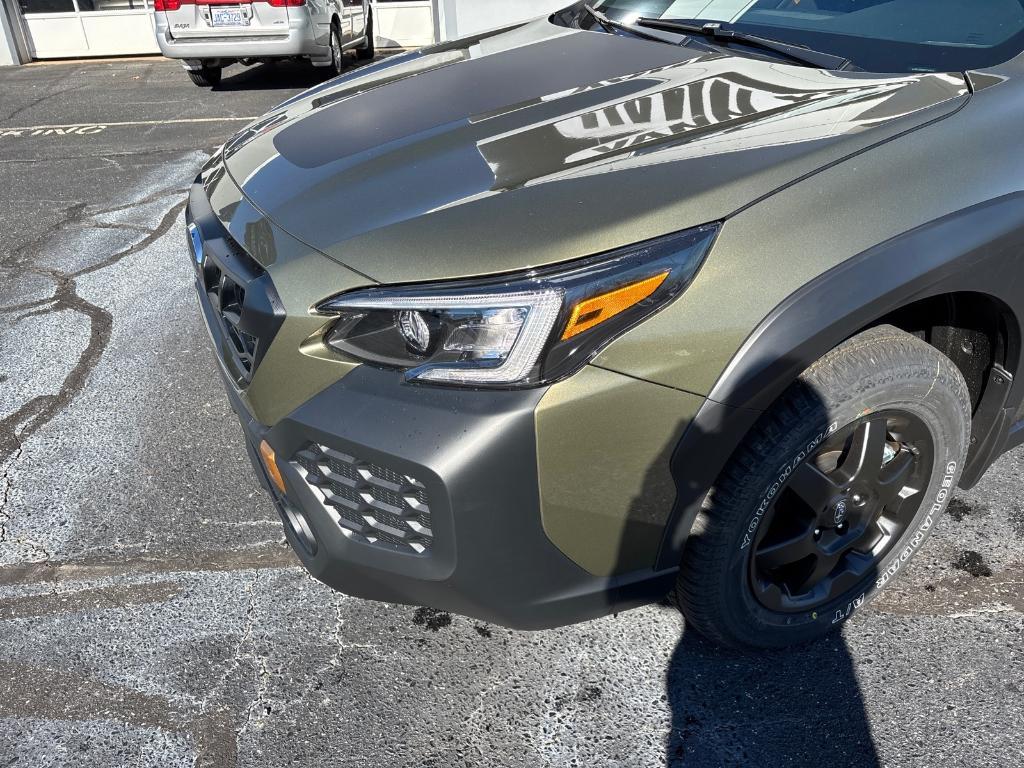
[(231, 16)]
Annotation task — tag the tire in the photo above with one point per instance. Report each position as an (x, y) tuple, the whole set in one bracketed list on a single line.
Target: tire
[(884, 391), (337, 53), (370, 50), (207, 77)]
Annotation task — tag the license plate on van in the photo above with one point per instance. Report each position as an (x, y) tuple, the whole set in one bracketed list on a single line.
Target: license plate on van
[(228, 16)]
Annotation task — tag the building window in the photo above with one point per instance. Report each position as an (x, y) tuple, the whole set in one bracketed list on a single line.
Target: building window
[(111, 5), (47, 6)]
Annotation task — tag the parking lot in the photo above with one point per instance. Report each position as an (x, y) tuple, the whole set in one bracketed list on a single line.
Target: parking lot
[(152, 615)]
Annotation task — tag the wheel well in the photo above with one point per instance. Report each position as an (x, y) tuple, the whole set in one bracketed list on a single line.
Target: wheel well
[(971, 329), (976, 331), (980, 335)]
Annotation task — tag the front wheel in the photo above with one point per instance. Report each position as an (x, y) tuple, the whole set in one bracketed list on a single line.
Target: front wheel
[(207, 77), (836, 487)]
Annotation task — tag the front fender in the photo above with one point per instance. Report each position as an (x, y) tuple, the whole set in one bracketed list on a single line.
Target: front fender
[(978, 249)]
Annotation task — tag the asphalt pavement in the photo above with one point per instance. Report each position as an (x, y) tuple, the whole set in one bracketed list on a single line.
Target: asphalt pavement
[(151, 614)]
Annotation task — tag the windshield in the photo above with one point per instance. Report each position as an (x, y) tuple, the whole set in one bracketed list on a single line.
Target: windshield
[(875, 35)]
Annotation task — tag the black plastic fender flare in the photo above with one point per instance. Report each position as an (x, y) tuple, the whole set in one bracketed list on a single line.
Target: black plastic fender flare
[(979, 249)]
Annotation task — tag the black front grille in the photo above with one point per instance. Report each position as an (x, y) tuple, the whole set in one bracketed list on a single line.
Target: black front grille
[(370, 503), (242, 308), (228, 301)]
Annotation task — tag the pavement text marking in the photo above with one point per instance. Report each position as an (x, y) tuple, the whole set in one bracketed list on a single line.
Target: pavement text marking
[(91, 129)]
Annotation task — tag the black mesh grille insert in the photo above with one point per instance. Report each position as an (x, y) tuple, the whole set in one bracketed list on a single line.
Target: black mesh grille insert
[(370, 503), (228, 299), (240, 304)]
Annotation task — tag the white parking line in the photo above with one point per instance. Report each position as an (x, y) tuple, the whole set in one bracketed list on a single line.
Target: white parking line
[(88, 129)]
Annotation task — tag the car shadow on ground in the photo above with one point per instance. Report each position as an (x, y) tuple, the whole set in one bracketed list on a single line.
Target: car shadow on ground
[(798, 706), (794, 707), (279, 75)]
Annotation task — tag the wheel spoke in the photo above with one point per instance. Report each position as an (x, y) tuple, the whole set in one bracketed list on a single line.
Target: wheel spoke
[(841, 512), (894, 477), (874, 533), (823, 566), (785, 551), (864, 458), (814, 487), (853, 568), (770, 593)]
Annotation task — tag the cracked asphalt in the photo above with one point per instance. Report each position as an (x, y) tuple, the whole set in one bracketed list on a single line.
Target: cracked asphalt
[(151, 614)]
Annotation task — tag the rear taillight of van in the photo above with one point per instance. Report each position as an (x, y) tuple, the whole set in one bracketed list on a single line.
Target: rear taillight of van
[(174, 5)]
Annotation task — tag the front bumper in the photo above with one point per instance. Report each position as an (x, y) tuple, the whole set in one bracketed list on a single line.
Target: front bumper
[(422, 495), (475, 455), (299, 39)]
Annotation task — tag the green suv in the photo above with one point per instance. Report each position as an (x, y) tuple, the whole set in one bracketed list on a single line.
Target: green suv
[(611, 305)]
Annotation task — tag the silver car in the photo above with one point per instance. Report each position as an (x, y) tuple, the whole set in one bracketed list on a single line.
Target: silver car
[(208, 35)]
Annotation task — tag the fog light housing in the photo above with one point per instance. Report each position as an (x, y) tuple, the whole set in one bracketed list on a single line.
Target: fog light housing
[(300, 527)]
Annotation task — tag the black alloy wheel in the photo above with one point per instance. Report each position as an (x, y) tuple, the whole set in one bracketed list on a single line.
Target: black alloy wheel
[(834, 489), (841, 512)]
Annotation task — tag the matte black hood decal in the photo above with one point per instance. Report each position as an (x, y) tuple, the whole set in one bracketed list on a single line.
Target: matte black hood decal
[(381, 176), (456, 93)]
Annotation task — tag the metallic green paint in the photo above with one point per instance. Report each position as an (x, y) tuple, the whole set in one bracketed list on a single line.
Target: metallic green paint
[(770, 250), (286, 378), (520, 155), (603, 447), (664, 139)]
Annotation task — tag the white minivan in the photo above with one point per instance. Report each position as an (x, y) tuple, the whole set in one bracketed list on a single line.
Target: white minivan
[(208, 35)]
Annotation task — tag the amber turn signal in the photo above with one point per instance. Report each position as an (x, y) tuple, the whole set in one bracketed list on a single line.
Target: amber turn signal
[(596, 310), (270, 462)]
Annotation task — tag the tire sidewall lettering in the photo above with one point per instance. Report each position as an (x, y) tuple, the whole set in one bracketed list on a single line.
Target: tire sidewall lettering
[(785, 471), (889, 570), (895, 562)]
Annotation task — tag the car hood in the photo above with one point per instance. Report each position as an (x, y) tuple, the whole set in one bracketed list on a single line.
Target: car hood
[(540, 143)]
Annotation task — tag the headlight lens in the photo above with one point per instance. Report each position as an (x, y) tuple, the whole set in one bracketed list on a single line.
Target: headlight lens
[(485, 338), (517, 331)]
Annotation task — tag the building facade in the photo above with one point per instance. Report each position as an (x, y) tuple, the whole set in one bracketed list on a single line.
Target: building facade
[(54, 29)]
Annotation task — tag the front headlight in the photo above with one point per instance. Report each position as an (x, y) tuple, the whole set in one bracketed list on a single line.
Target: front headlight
[(515, 331)]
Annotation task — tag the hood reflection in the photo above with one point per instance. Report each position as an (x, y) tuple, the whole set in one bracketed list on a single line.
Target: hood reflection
[(716, 106), (513, 133)]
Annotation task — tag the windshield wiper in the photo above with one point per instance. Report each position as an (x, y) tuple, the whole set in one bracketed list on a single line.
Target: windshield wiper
[(718, 33), (610, 25)]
